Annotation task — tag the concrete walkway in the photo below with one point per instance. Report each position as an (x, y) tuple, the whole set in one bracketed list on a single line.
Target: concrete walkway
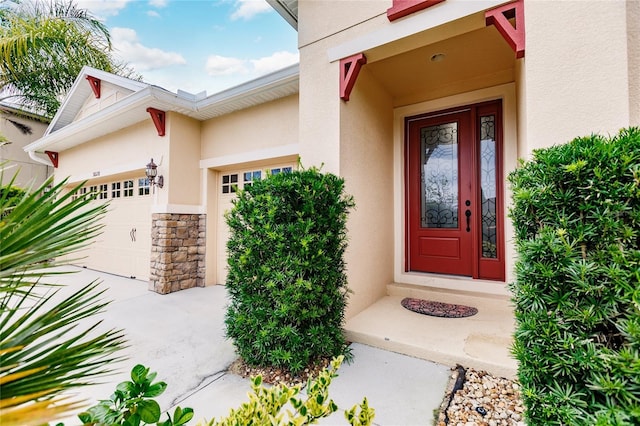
[(181, 336)]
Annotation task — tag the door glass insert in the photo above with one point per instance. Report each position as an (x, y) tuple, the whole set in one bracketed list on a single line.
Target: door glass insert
[(488, 186), (439, 152)]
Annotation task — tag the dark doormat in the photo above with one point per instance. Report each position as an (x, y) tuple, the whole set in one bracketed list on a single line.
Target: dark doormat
[(438, 309)]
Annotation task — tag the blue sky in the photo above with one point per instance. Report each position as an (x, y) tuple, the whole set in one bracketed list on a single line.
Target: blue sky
[(197, 45)]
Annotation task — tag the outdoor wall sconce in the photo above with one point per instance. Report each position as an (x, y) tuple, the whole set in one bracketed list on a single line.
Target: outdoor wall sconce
[(152, 173)]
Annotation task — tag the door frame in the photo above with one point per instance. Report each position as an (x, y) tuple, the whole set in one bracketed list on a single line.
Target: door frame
[(481, 268)]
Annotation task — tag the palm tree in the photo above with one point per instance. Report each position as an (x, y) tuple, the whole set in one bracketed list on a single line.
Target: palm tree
[(43, 47), (43, 351)]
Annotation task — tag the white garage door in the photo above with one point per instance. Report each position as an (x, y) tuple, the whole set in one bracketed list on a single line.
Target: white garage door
[(124, 247), (229, 183)]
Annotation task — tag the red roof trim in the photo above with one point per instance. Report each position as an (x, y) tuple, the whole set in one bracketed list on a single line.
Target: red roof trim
[(158, 117), (95, 85), (402, 8), (514, 35), (349, 70), (53, 156)]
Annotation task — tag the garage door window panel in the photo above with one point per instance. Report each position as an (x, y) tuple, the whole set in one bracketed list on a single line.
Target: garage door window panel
[(128, 188), (230, 183), (252, 176), (115, 189), (143, 186)]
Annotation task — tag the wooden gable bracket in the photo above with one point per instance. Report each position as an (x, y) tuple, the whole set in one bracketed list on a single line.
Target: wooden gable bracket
[(158, 117), (402, 8), (95, 85), (349, 70), (53, 156), (513, 34)]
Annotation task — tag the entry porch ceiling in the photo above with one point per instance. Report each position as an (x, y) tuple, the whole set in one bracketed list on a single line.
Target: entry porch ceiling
[(473, 60)]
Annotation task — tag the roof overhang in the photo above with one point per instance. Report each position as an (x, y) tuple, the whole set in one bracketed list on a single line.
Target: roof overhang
[(79, 91), (288, 9), (20, 111), (132, 109)]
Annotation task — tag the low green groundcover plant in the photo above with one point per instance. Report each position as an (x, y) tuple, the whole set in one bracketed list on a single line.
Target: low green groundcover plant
[(133, 404), (576, 213), (286, 272)]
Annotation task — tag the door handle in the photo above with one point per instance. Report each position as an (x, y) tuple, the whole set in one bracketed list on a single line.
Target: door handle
[(132, 234), (467, 213)]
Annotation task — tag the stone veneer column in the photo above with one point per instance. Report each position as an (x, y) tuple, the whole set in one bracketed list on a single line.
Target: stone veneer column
[(177, 252)]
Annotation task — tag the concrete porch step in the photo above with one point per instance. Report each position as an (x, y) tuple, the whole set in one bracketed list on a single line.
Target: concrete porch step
[(482, 341)]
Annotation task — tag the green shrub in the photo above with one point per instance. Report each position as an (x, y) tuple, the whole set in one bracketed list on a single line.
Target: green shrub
[(576, 213), (286, 276), (12, 192)]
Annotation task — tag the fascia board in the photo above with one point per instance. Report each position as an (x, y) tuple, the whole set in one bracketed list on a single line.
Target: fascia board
[(246, 90)]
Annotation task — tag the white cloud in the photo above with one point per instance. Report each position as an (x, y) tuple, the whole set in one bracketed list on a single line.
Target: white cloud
[(140, 57), (274, 62), (223, 65), (153, 14), (227, 66), (103, 8), (158, 3), (247, 9)]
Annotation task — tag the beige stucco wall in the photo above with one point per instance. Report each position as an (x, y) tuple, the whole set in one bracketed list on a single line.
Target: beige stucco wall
[(321, 19), (319, 109), (261, 127), (576, 76), (122, 151), (29, 171), (366, 164), (182, 178), (633, 49)]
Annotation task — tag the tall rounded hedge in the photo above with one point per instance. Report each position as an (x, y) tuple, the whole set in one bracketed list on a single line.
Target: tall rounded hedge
[(576, 213), (286, 272)]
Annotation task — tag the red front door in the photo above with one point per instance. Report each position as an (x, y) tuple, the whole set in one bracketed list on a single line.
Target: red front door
[(454, 202)]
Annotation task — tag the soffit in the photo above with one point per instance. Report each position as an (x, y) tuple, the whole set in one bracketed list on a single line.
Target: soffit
[(467, 57)]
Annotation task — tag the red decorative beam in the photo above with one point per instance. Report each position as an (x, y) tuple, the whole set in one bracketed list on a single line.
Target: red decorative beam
[(53, 156), (513, 34), (349, 70), (158, 117), (95, 85), (402, 8)]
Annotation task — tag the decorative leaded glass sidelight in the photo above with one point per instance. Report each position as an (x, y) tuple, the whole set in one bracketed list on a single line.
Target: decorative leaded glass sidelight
[(439, 173), (488, 186)]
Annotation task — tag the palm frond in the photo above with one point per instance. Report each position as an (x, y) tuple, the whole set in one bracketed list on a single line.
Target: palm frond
[(44, 349), (43, 47), (39, 412), (44, 226)]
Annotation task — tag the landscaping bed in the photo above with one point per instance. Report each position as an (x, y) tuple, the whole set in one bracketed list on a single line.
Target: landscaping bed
[(481, 399)]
